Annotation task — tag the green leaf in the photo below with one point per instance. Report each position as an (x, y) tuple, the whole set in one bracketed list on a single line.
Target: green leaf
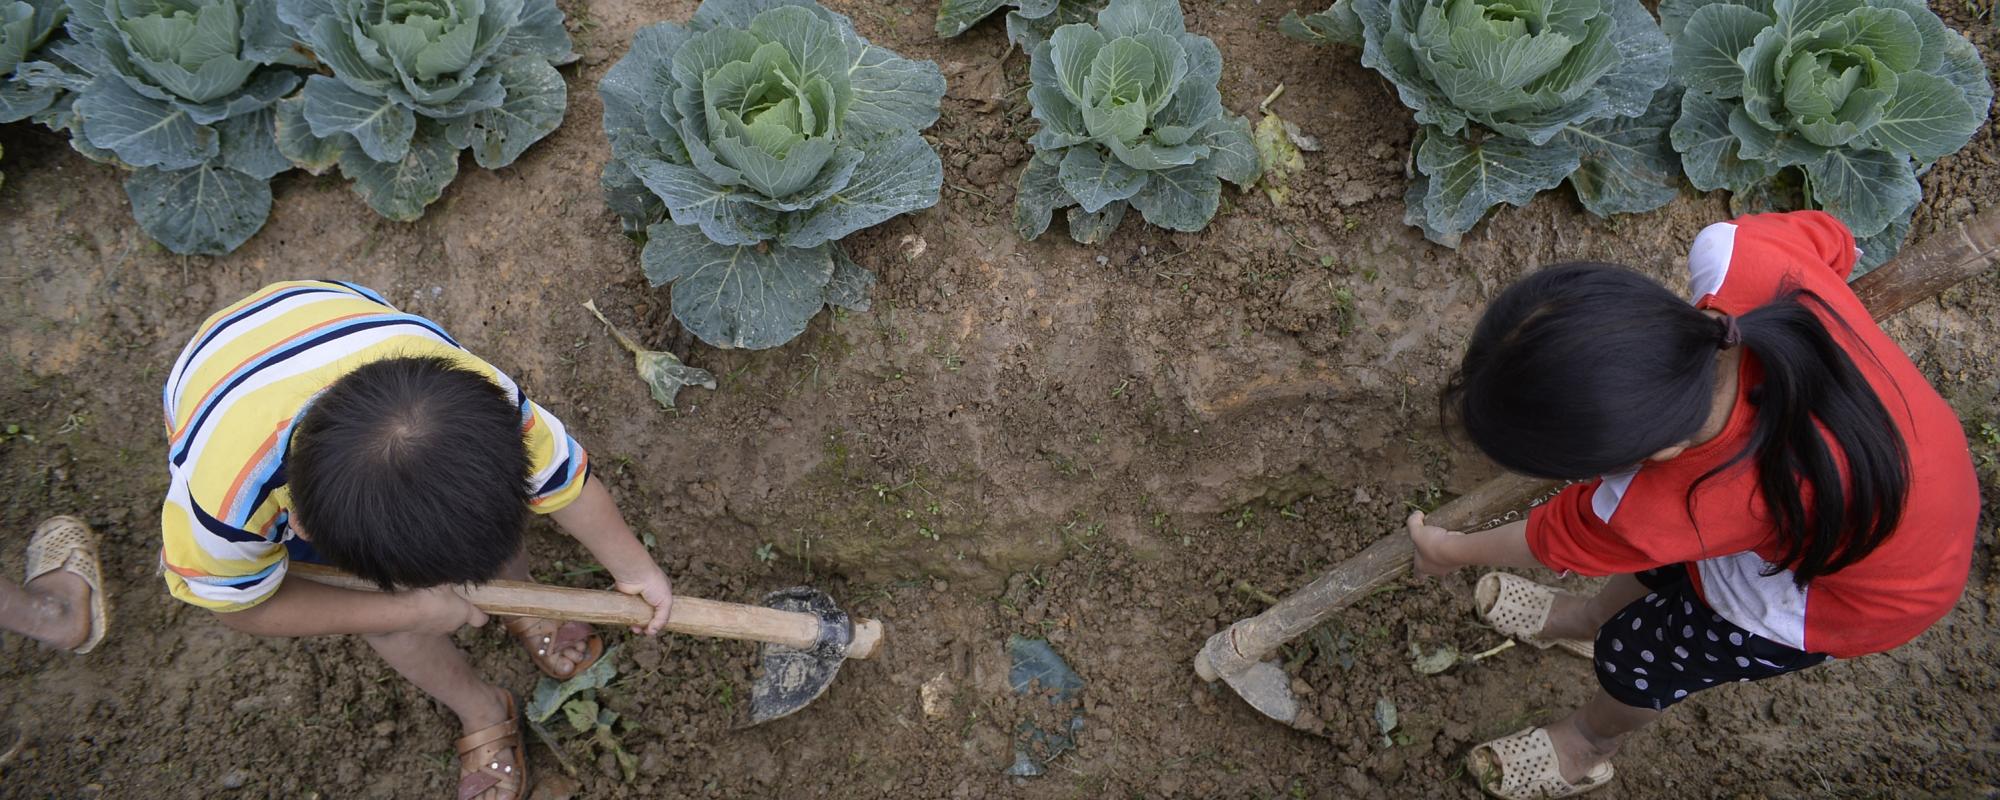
[(1797, 17), (143, 132), (1232, 155), (1674, 14), (380, 127), (536, 97), (629, 198), (897, 175), (1706, 55), (1467, 180), (1336, 25), (1928, 119), (1180, 199), (550, 695), (206, 210), (582, 714), (1039, 195), (1627, 165), (772, 175), (733, 296), (723, 213), (540, 31), (296, 140), (1879, 249), (1135, 17), (1096, 181), (890, 93), (1867, 189), (958, 16), (814, 44), (1710, 153), (1088, 228), (1072, 50), (249, 145), (851, 283), (400, 190)]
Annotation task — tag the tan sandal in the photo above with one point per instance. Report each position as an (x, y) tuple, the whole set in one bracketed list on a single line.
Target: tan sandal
[(1523, 766), (541, 647), (480, 769), (65, 543), (1518, 607)]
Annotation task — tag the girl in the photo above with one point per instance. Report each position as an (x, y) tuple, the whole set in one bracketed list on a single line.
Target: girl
[(1779, 485)]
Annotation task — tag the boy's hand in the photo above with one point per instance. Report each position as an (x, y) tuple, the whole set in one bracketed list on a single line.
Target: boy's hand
[(1433, 547), (442, 610), (654, 588)]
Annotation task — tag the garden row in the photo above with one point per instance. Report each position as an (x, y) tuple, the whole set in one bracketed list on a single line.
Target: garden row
[(749, 141)]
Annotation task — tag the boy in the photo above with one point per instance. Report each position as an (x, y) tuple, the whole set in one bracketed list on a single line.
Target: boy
[(313, 421)]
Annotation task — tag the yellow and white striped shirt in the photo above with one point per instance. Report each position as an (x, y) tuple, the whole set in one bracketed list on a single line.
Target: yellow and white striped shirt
[(232, 400)]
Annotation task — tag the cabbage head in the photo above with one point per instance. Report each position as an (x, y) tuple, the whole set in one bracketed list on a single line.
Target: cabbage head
[(746, 143), (181, 92), (1830, 104), (417, 81), (1513, 97), (1029, 22), (1130, 116), (24, 27)]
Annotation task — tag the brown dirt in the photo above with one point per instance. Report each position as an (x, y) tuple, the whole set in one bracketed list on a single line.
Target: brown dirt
[(1093, 445)]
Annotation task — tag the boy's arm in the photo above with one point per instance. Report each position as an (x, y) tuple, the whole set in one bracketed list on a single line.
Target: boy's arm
[(304, 608), (593, 519), (1442, 552)]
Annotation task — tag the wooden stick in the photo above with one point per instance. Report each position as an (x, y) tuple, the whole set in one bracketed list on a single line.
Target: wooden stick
[(690, 615), (1919, 273)]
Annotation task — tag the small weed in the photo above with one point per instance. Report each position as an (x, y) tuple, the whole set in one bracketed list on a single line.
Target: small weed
[(766, 553)]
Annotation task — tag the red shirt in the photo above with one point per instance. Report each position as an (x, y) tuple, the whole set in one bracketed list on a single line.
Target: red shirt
[(1643, 519)]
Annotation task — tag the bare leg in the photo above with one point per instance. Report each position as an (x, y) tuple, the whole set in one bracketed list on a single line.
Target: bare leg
[(436, 666), (1591, 735), (54, 609), (517, 570), (1580, 617)]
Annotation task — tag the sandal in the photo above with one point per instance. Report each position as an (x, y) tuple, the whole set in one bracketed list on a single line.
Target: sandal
[(1523, 766), (65, 543), (479, 767), (540, 646), (1518, 607)]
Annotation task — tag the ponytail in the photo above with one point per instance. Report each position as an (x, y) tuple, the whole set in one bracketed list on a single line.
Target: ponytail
[(1581, 370), (1809, 383)]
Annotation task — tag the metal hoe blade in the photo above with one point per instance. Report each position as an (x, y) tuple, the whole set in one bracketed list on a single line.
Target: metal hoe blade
[(792, 678), (1262, 684)]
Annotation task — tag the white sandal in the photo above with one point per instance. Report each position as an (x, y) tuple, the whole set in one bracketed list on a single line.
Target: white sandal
[(1518, 607), (1523, 766), (65, 543)]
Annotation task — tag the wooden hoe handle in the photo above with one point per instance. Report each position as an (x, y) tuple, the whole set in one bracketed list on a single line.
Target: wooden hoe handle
[(1939, 262), (690, 615)]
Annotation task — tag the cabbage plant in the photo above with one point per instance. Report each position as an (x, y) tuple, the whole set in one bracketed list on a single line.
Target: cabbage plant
[(1513, 97), (181, 92), (24, 28), (1029, 22), (746, 143), (417, 81), (1130, 117), (1832, 104)]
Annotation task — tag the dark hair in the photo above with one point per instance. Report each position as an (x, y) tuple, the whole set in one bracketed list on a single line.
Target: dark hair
[(411, 472), (1584, 369)]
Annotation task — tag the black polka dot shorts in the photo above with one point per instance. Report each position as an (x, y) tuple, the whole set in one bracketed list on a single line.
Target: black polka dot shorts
[(1669, 644)]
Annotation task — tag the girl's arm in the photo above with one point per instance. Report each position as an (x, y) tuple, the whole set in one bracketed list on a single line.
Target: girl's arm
[(593, 519), (1441, 552), (301, 607)]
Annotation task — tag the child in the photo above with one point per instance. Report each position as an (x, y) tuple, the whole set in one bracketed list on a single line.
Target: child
[(62, 602), (1779, 483), (313, 421)]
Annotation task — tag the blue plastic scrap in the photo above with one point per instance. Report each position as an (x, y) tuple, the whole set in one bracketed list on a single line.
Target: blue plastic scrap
[(1036, 667)]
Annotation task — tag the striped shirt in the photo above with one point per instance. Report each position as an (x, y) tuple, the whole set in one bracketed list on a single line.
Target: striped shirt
[(233, 398)]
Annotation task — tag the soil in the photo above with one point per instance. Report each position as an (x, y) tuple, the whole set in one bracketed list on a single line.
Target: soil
[(1096, 446)]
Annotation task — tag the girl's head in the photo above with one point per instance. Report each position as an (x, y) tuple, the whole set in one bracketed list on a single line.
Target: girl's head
[(1584, 369)]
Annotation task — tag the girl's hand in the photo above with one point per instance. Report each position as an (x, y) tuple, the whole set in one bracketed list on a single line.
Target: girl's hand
[(1434, 546), (654, 587)]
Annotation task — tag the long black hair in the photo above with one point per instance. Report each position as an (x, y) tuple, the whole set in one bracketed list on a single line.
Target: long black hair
[(1585, 369)]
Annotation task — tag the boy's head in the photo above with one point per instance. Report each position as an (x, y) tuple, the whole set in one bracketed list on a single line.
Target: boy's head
[(411, 472)]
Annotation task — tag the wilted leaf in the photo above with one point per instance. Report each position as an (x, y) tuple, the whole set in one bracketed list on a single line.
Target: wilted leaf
[(582, 714), (1385, 719), (663, 373), (1279, 156), (1439, 660)]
